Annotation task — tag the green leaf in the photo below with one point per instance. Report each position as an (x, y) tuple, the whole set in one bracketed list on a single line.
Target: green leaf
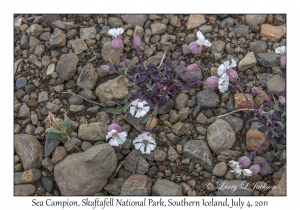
[(149, 87), (146, 119), (137, 87), (126, 71), (282, 154), (276, 106), (281, 124), (50, 69), (280, 146), (68, 124), (114, 111), (126, 107), (271, 112), (266, 154), (283, 114), (52, 130), (53, 135), (277, 153), (154, 112), (129, 84)]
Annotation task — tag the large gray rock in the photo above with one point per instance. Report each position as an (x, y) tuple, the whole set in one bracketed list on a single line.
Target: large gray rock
[(189, 76), (66, 66), (88, 33), (137, 185), (206, 99), (88, 77), (269, 59), (114, 88), (199, 152), (135, 19), (233, 188), (24, 189), (85, 173), (29, 150), (220, 136), (93, 131), (142, 164), (166, 188)]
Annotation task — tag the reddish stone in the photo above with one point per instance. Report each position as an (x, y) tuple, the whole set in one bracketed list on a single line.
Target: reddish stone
[(32, 103), (162, 168), (58, 154), (241, 102), (273, 33), (254, 139)]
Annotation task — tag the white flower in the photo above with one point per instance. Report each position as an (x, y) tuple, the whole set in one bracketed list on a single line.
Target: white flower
[(116, 138), (280, 50), (139, 108), (223, 67), (236, 168), (145, 143), (223, 83), (201, 40), (247, 172), (115, 32)]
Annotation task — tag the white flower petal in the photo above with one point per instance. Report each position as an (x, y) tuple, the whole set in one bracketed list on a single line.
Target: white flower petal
[(114, 142), (138, 145), (132, 110), (221, 69), (144, 102), (206, 43), (138, 113), (233, 63), (148, 150), (226, 63), (122, 136), (115, 31), (135, 102), (200, 36), (151, 146), (280, 50), (247, 172)]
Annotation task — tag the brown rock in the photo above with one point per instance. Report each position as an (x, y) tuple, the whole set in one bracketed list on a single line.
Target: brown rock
[(142, 165), (280, 189), (272, 33), (195, 21), (241, 102), (256, 19), (93, 131), (24, 189), (110, 54), (88, 77), (158, 28), (58, 154), (135, 19), (181, 128), (23, 27), (254, 139), (153, 123), (260, 98), (247, 62), (139, 185), (103, 117), (32, 103), (58, 39), (79, 46)]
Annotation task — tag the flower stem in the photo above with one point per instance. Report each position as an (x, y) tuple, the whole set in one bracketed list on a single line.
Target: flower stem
[(100, 104), (244, 109)]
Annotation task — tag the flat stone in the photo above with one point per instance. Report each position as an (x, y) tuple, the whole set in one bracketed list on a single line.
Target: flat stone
[(217, 47), (239, 188), (88, 94), (247, 62), (199, 152), (75, 100), (115, 186), (93, 131), (276, 84), (206, 99), (58, 24), (39, 50), (45, 36), (195, 21), (172, 154), (103, 117), (88, 77), (166, 188), (24, 112), (175, 22), (49, 18), (272, 33), (159, 155), (181, 128), (258, 47), (58, 154), (115, 22), (220, 136), (242, 30), (24, 189), (270, 59), (88, 33), (188, 76), (58, 39), (47, 164), (142, 164), (136, 185), (66, 66), (256, 19), (85, 173), (181, 101), (174, 117), (219, 169), (43, 96), (158, 28), (79, 46), (241, 102), (138, 31), (110, 54), (52, 107), (71, 34), (28, 176), (184, 113), (135, 19), (114, 88), (35, 30), (33, 42), (47, 184), (29, 150), (71, 144), (21, 83), (235, 123)]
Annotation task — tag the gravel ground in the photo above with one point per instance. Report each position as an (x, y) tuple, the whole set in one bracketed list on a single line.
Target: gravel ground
[(187, 159)]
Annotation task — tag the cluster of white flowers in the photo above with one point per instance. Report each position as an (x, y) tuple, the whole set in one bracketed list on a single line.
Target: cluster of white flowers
[(115, 32), (201, 40), (237, 169), (222, 71), (280, 50)]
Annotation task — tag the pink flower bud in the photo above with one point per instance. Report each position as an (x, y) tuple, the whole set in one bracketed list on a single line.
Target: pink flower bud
[(283, 60), (281, 100), (255, 169), (244, 161), (105, 68), (255, 90), (195, 48), (192, 67), (212, 81), (137, 42), (117, 42), (114, 126), (232, 74)]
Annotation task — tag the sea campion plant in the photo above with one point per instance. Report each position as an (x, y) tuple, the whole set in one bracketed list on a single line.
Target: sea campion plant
[(60, 129), (151, 88)]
